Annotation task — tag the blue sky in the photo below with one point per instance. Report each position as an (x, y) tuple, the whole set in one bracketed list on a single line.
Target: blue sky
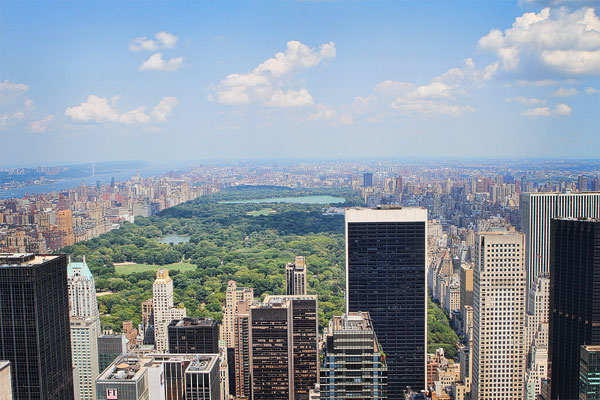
[(91, 81)]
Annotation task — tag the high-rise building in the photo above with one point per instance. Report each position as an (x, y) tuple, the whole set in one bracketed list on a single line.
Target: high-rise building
[(34, 325), (582, 183), (367, 179), (110, 346), (536, 211), (589, 373), (499, 316), (65, 225), (296, 277), (574, 299), (224, 370), (284, 359), (385, 275), (84, 348), (536, 340), (193, 335), (353, 364), (125, 379), (164, 312), (5, 381), (85, 327), (233, 296), (398, 188), (243, 383)]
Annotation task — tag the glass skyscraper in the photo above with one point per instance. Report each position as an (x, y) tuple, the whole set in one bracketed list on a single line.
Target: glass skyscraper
[(385, 275)]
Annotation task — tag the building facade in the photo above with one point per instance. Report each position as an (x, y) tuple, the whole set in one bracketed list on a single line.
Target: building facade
[(193, 335), (499, 291), (34, 325), (109, 348), (164, 311), (233, 296), (353, 363), (386, 252), (284, 359), (589, 373), (574, 300), (296, 277), (243, 383)]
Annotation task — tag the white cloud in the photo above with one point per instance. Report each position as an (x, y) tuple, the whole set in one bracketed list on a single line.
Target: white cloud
[(290, 98), (268, 83), (591, 90), (164, 40), (8, 87), (323, 112), (157, 63), (558, 110), (163, 109), (434, 90), (525, 100), (565, 92), (100, 110), (542, 82), (555, 40), (41, 125), (429, 107)]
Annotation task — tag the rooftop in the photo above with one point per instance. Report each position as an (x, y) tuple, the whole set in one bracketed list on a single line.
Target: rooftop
[(24, 259), (192, 322)]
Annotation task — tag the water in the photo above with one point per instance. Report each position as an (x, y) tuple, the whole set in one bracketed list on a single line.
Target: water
[(174, 238), (324, 199)]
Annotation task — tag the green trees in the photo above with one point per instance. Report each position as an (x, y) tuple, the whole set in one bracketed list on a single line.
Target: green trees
[(440, 333)]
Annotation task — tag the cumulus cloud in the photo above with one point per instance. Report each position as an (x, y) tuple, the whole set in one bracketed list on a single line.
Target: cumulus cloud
[(157, 63), (268, 83), (16, 107), (164, 40), (558, 110), (41, 125), (591, 90), (565, 92), (100, 110), (559, 41)]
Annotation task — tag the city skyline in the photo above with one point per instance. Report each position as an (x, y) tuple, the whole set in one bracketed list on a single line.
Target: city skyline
[(495, 79)]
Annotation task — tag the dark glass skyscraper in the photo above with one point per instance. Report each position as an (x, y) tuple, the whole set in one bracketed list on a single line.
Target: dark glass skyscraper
[(574, 299), (385, 275), (193, 335), (35, 333)]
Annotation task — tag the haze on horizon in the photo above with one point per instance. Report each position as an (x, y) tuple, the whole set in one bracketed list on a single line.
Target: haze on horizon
[(91, 81)]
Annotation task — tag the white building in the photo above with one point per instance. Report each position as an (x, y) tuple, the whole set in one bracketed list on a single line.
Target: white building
[(233, 296), (499, 316), (296, 277), (85, 328), (164, 311)]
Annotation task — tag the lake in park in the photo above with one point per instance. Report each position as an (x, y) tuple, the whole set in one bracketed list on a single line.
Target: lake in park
[(174, 238), (300, 200)]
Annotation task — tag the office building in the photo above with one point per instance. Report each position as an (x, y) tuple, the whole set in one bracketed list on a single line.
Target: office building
[(353, 364), (386, 276), (243, 383), (368, 179), (224, 370), (85, 327), (84, 348), (283, 347), (589, 373), (296, 277), (233, 296), (34, 325), (574, 299), (125, 379), (5, 381), (193, 335), (164, 311), (110, 346), (499, 316), (536, 211)]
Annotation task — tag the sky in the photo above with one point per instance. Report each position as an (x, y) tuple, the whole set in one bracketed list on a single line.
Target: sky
[(84, 81)]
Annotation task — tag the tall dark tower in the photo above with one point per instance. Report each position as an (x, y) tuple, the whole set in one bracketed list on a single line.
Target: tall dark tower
[(574, 299), (35, 333), (385, 275), (193, 336), (367, 179)]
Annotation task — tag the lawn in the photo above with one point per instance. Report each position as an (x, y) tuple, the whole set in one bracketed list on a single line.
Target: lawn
[(264, 211), (128, 269)]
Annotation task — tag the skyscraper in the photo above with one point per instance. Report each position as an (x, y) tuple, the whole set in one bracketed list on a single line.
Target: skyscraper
[(34, 325), (233, 296), (164, 312), (109, 348), (283, 347), (499, 316), (358, 370), (296, 277), (536, 211), (241, 330), (385, 275), (589, 373), (367, 179), (85, 327), (193, 336), (574, 300)]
